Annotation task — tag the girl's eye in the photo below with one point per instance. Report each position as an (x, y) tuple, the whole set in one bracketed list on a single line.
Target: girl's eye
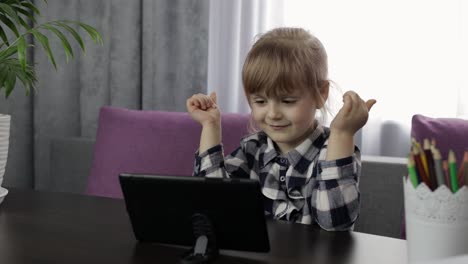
[(289, 101), (258, 101)]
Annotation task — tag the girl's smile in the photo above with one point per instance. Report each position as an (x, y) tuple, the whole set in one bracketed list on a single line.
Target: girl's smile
[(278, 127)]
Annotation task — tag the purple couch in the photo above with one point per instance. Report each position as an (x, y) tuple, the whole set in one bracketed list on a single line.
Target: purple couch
[(153, 142), (129, 140)]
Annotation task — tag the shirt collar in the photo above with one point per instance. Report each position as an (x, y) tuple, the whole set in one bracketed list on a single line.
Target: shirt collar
[(308, 149), (269, 153)]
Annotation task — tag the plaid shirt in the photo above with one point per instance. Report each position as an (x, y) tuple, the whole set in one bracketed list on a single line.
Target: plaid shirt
[(299, 186)]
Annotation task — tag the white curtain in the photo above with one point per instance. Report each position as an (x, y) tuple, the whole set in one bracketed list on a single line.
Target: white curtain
[(462, 110), (409, 55), (232, 28)]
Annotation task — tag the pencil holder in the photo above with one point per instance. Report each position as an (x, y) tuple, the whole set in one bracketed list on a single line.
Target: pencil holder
[(436, 221)]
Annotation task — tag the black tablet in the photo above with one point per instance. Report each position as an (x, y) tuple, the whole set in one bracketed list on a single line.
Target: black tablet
[(162, 209)]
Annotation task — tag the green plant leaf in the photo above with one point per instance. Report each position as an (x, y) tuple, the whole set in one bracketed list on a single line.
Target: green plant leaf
[(24, 23), (27, 78), (17, 15), (9, 24), (6, 53), (63, 39), (11, 69), (4, 37), (45, 44), (31, 7), (72, 32), (7, 10), (28, 14), (22, 52), (92, 32), (3, 74), (10, 82)]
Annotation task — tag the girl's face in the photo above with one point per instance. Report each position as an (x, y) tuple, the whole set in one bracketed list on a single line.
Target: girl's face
[(287, 120)]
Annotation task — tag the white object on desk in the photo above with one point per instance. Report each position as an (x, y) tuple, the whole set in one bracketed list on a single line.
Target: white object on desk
[(436, 222), (462, 259), (4, 140), (3, 193)]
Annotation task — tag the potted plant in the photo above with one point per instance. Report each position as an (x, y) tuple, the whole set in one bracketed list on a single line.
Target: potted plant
[(17, 25)]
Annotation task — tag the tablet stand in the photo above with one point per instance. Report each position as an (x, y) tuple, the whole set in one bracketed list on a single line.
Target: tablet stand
[(205, 249)]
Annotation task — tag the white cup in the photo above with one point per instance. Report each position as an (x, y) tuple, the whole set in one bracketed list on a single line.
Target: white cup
[(436, 222)]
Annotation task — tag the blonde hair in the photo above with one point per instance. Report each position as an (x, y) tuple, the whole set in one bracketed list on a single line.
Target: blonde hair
[(283, 60)]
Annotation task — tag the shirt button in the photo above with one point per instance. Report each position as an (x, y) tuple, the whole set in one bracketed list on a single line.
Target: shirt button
[(282, 179)]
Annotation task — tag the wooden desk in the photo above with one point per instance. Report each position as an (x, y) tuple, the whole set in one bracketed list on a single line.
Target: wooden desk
[(44, 227)]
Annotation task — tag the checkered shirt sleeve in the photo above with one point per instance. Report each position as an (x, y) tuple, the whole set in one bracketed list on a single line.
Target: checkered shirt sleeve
[(335, 199)]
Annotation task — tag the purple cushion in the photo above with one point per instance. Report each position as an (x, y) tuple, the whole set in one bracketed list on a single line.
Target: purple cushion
[(449, 133), (154, 142)]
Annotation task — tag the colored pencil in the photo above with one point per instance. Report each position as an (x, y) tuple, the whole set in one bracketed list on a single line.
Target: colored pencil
[(422, 155), (419, 166), (452, 162), (412, 171), (445, 167), (461, 169), (465, 164), (430, 164), (424, 161), (438, 166)]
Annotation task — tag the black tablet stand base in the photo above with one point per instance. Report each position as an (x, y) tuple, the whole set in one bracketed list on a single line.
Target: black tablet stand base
[(205, 249)]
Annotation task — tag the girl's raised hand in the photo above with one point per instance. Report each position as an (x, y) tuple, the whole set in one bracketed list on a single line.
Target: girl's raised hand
[(203, 109), (353, 115)]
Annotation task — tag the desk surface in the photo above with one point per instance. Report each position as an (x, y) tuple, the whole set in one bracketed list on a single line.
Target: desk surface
[(44, 227)]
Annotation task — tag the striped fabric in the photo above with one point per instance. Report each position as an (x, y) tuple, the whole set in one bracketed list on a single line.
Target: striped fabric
[(300, 186), (4, 139)]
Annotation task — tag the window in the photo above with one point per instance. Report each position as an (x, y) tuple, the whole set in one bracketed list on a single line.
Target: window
[(407, 53)]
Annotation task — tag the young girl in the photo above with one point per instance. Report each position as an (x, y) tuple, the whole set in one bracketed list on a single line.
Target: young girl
[(309, 173)]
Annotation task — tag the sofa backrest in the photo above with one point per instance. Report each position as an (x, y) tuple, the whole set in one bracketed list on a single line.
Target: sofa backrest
[(152, 142), (381, 188)]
